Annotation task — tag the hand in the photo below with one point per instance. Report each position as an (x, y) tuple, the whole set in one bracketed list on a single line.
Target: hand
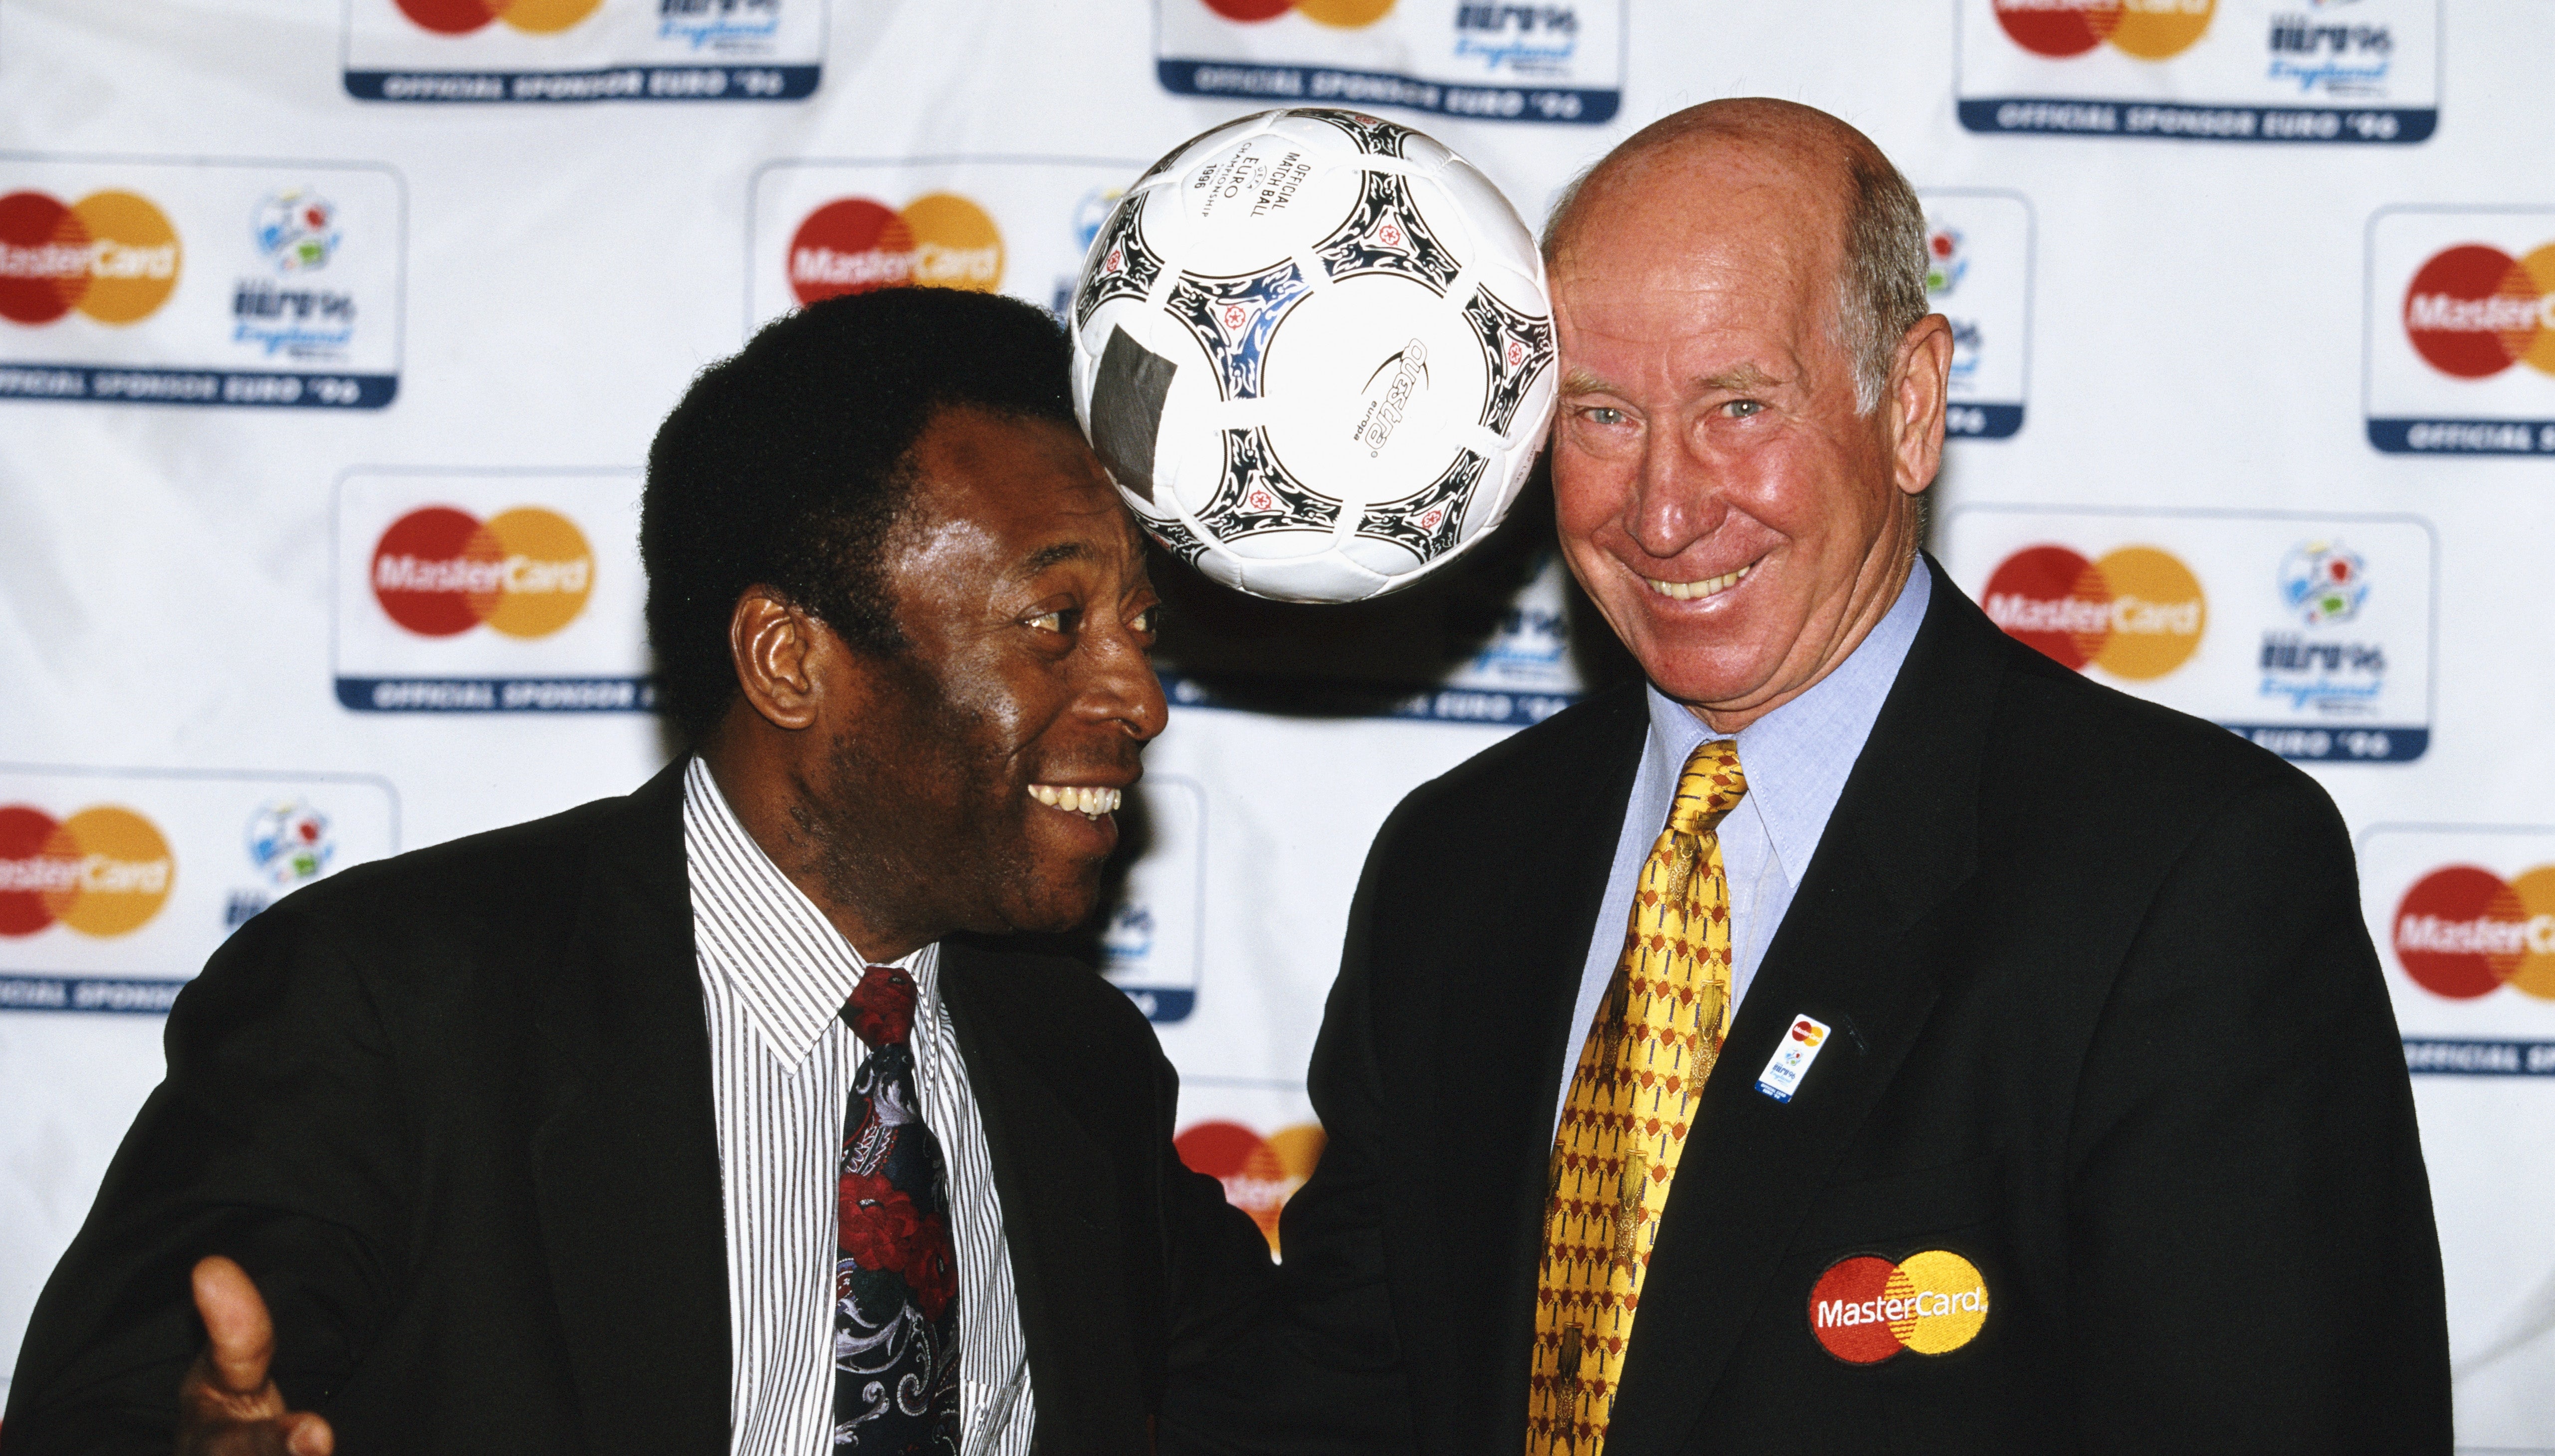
[(228, 1406)]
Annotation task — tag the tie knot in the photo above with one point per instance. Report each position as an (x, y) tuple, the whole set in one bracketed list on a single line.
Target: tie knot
[(1709, 788), (881, 1011)]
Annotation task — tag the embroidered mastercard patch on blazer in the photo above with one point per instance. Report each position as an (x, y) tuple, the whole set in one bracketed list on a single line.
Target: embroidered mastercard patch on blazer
[(1864, 1309)]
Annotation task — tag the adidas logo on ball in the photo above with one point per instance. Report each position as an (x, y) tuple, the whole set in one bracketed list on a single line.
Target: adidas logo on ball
[(1228, 323), (1410, 371)]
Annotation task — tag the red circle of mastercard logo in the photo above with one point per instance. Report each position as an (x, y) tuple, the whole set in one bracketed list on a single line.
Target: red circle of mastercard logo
[(1258, 1174), (1866, 1310), (2461, 931), (440, 571), (2150, 29), (852, 245), (110, 255), (2472, 311), (104, 871), (2137, 613)]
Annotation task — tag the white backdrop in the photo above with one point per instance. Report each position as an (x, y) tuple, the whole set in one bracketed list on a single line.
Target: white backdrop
[(301, 301)]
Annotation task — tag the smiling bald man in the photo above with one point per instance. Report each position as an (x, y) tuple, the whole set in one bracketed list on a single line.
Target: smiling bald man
[(1866, 1035)]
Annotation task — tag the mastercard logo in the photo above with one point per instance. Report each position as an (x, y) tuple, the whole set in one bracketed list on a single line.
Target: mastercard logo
[(2137, 613), (111, 255), (1346, 15), (104, 871), (533, 17), (1865, 1310), (852, 245), (525, 573), (2472, 311), (1258, 1174), (2151, 29), (2464, 933)]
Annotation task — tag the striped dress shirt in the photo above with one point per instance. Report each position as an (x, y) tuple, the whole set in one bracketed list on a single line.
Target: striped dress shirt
[(775, 974)]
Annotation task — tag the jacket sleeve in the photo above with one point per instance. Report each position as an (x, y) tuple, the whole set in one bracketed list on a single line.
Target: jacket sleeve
[(1325, 1373), (274, 1140), (2252, 1260), (1221, 1283)]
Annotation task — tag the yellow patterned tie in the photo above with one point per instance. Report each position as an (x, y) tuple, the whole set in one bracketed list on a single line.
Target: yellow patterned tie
[(1639, 1075)]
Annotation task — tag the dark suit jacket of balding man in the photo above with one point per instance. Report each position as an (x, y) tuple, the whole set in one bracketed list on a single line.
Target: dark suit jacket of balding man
[(2107, 1024), (452, 1112)]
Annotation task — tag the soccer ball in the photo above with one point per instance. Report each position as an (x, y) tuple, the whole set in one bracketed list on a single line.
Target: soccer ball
[(1314, 351)]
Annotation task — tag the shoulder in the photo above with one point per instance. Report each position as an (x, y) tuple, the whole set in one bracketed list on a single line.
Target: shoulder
[(1554, 767), (452, 912), (2081, 783), (1049, 1000), (498, 876), (2077, 740)]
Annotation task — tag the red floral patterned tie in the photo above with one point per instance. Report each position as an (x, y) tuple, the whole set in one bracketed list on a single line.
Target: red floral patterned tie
[(896, 1270)]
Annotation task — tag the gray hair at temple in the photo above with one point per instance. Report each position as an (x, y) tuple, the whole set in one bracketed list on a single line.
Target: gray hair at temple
[(1880, 288)]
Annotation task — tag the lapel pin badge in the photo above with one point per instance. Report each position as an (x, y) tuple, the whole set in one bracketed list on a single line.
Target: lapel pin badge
[(1791, 1059)]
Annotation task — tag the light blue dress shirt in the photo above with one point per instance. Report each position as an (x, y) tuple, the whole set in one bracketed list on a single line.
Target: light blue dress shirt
[(1796, 759)]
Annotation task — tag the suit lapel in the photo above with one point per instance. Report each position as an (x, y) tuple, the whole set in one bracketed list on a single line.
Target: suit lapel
[(1482, 1079), (626, 1158), (1055, 1182), (1852, 951)]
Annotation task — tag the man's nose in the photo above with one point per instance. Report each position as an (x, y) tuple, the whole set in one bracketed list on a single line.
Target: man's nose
[(1123, 689), (1674, 502)]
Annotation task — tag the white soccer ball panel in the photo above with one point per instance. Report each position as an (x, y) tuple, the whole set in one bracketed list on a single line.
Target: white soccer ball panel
[(1253, 203), (1490, 507), (1379, 379), (1329, 577), (1444, 220), (1280, 545), (1500, 236), (1426, 153)]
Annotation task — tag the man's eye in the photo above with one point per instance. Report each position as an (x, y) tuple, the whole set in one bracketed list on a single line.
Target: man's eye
[(1605, 415), (1742, 408), (1060, 620), (1149, 620)]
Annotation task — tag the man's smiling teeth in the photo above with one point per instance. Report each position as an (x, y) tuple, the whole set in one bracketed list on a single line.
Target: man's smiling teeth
[(1686, 591), (1091, 802)]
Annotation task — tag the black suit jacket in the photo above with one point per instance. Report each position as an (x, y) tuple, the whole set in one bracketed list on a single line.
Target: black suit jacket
[(2107, 1022), (452, 1112)]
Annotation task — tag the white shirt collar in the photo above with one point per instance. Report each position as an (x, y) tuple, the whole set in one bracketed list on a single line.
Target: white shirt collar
[(789, 968), (1798, 757)]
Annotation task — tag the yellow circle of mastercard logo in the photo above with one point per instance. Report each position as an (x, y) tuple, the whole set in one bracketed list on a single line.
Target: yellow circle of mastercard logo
[(525, 573), (2137, 613), (1864, 1309), (852, 245), (104, 871)]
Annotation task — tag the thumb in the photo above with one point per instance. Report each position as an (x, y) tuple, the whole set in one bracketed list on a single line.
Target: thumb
[(240, 1338)]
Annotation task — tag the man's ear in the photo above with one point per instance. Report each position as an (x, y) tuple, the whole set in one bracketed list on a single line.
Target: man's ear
[(788, 661), (1919, 387)]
